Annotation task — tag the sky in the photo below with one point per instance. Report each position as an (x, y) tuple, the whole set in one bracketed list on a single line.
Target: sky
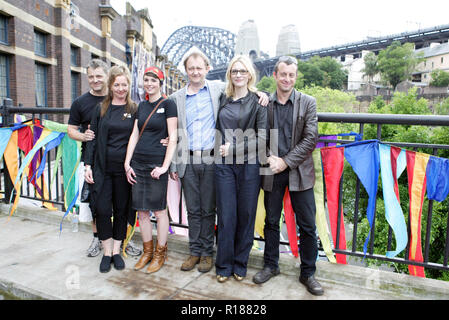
[(320, 23)]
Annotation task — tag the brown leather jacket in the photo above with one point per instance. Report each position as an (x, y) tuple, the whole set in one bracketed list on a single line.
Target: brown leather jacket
[(304, 139)]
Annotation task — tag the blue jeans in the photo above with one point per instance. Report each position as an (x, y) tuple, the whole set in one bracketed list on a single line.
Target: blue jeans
[(237, 189)]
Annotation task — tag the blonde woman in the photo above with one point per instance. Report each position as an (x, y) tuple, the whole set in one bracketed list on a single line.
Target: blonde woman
[(237, 176), (112, 124)]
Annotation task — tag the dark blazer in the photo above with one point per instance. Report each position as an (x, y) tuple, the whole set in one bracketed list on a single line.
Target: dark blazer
[(96, 154), (251, 116), (304, 139)]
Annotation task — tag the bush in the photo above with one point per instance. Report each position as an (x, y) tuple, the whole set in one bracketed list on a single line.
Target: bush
[(440, 78), (330, 100)]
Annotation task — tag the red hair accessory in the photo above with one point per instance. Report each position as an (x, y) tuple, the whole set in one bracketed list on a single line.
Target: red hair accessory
[(156, 71)]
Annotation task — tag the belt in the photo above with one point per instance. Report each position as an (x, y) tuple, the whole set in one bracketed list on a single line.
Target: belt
[(201, 153)]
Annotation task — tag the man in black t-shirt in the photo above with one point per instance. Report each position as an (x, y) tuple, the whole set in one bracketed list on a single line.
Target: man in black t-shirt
[(78, 129)]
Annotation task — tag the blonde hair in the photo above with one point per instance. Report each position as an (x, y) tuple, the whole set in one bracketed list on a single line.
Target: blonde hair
[(251, 71), (115, 72)]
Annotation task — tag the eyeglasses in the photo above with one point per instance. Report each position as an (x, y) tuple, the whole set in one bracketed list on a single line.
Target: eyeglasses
[(288, 60), (243, 72)]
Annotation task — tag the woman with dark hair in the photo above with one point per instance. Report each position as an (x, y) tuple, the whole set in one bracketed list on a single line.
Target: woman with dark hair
[(241, 130), (147, 163), (112, 124)]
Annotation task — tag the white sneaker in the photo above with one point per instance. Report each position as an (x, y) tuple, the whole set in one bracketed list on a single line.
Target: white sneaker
[(132, 249), (94, 248)]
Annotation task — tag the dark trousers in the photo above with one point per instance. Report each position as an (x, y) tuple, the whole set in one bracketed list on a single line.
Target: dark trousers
[(238, 189), (114, 199), (303, 204), (199, 191)]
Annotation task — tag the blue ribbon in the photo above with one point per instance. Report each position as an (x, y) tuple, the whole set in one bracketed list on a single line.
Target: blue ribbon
[(363, 156), (393, 210), (51, 145), (437, 173)]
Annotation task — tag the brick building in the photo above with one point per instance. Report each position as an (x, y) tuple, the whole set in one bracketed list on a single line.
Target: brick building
[(45, 46)]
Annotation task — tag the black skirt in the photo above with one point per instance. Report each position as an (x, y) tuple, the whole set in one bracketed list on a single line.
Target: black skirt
[(148, 194)]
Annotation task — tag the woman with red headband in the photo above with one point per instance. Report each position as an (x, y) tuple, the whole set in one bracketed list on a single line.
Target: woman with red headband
[(146, 164)]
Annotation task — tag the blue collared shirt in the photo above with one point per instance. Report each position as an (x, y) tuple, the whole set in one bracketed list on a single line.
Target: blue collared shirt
[(200, 120)]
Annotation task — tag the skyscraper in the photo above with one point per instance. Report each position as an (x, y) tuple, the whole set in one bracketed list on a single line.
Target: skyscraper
[(288, 41), (248, 39)]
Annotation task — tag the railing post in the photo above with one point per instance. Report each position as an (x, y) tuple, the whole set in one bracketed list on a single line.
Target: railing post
[(6, 116), (7, 121)]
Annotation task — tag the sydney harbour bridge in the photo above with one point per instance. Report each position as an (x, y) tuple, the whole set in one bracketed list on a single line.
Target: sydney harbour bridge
[(219, 44)]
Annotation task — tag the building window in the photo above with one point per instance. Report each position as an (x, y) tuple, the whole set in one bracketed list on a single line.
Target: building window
[(74, 54), (40, 43), (94, 56), (442, 59), (3, 29), (4, 78), (75, 78), (40, 75)]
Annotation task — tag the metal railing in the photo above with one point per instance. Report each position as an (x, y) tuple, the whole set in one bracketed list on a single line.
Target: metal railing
[(379, 120), (7, 110)]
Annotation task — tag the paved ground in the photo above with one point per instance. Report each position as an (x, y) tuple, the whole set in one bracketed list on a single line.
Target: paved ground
[(38, 262)]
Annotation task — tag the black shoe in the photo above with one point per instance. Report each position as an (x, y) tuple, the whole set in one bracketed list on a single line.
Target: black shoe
[(313, 286), (266, 274), (105, 265), (119, 264)]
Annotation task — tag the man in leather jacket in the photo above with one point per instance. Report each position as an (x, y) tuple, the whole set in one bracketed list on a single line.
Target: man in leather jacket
[(293, 119)]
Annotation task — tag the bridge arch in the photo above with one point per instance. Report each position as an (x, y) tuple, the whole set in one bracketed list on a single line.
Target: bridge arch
[(218, 44)]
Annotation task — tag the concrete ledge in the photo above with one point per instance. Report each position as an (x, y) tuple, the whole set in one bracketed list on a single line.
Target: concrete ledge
[(23, 293), (401, 285)]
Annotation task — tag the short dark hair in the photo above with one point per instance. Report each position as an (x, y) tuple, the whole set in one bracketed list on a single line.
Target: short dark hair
[(152, 75), (97, 63), (288, 60)]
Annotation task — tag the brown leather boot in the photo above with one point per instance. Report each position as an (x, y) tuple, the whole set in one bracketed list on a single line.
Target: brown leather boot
[(147, 255), (160, 255)]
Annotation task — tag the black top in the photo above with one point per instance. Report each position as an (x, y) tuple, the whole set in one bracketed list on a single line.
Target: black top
[(81, 113), (97, 149), (228, 118), (149, 148), (120, 128), (283, 122), (248, 115)]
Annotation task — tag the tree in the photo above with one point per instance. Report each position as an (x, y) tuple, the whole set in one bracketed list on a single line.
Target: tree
[(267, 84), (323, 72), (442, 108), (313, 75), (397, 62), (440, 78), (331, 100), (335, 76), (371, 66)]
